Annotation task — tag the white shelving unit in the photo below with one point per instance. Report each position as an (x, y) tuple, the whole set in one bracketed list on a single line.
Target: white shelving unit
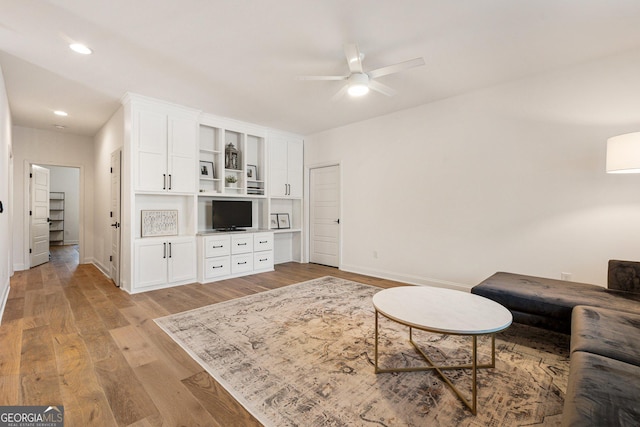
[(56, 218)]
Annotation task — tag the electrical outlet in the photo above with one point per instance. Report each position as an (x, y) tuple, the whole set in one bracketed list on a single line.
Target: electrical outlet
[(565, 276), (375, 254)]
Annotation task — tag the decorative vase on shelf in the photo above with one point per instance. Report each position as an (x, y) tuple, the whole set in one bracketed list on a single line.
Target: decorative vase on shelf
[(231, 157)]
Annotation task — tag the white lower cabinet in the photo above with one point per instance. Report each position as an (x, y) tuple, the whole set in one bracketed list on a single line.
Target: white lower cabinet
[(222, 256), (163, 262)]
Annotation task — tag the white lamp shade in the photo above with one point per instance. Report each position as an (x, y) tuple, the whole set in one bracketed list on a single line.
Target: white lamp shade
[(623, 153)]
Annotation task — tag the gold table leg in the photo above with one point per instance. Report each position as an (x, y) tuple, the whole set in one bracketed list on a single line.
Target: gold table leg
[(474, 366)]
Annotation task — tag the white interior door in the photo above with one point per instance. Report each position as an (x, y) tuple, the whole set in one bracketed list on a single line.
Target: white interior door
[(114, 219), (39, 215), (324, 216)]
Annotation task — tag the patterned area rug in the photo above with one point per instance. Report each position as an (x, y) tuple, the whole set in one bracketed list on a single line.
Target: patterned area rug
[(302, 355)]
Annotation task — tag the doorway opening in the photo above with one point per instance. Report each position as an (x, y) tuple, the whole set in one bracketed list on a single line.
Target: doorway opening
[(61, 234)]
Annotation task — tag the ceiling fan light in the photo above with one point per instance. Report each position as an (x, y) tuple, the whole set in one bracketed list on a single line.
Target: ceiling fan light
[(358, 89), (358, 84), (80, 48)]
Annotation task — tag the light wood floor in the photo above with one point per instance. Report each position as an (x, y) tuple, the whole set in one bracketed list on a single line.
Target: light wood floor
[(70, 337)]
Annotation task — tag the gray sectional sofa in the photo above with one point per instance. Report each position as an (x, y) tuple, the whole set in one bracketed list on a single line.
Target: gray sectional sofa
[(604, 377)]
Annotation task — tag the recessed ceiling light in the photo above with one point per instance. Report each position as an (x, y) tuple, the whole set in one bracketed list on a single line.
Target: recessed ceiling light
[(60, 113), (80, 48), (58, 126)]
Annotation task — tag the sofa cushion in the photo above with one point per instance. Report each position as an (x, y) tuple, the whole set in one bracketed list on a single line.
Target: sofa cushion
[(624, 276), (601, 392), (551, 298), (609, 333)]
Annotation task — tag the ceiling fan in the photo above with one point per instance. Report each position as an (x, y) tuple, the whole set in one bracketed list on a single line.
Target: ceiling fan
[(358, 81)]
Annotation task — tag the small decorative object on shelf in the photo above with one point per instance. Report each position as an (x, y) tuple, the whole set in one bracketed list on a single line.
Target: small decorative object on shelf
[(159, 223), (206, 169), (283, 220), (252, 172), (230, 181), (273, 221), (231, 157)]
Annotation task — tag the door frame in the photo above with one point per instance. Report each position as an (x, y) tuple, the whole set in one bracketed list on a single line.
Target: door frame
[(26, 233), (307, 209)]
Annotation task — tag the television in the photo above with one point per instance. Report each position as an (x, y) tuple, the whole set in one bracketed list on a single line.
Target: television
[(231, 215)]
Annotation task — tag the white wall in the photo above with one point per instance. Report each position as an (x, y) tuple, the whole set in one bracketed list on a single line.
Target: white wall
[(108, 139), (6, 165), (51, 148), (511, 178), (67, 180)]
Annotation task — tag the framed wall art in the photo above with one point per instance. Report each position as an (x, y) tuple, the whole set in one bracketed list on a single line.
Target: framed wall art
[(159, 223)]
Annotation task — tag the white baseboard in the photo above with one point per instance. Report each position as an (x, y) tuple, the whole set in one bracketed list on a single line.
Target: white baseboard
[(4, 297), (411, 280), (19, 267)]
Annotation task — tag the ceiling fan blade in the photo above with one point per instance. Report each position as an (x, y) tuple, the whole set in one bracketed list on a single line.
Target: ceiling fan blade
[(340, 93), (353, 57), (383, 89), (322, 77), (396, 68)]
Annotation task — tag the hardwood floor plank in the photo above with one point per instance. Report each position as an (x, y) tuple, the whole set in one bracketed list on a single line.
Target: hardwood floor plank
[(10, 349), (127, 397), (133, 346), (38, 371), (83, 396), (176, 405), (226, 411)]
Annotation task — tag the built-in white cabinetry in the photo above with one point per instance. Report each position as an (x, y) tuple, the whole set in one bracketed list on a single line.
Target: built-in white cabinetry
[(162, 262), (164, 141), (286, 166), (177, 159), (225, 255), (286, 163)]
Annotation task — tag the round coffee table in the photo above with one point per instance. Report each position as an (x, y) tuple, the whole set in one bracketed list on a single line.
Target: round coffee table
[(443, 311)]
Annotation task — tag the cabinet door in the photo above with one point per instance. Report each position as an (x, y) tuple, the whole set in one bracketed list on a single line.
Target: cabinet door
[(182, 142), (278, 167), (295, 166), (182, 260), (150, 263), (150, 150)]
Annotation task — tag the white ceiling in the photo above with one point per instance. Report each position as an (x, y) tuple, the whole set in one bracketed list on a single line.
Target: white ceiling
[(239, 58)]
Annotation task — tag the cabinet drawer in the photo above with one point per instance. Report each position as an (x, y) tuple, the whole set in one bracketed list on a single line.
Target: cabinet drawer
[(263, 260), (217, 246), (263, 242), (216, 267), (241, 263), (242, 244)]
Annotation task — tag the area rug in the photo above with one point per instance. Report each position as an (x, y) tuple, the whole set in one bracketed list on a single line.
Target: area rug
[(302, 355)]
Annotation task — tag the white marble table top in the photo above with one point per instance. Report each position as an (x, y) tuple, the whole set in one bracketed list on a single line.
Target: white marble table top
[(442, 310)]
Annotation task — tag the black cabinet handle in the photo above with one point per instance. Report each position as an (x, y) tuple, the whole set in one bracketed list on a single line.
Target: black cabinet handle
[(169, 181), (264, 259), (241, 244), (169, 249), (242, 263), (263, 241), (217, 266), (217, 247), (165, 250), (164, 181)]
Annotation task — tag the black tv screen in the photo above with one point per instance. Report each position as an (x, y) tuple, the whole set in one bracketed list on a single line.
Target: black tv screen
[(231, 214)]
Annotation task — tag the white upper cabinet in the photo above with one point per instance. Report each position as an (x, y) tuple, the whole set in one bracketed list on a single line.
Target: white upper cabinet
[(164, 141), (286, 166)]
